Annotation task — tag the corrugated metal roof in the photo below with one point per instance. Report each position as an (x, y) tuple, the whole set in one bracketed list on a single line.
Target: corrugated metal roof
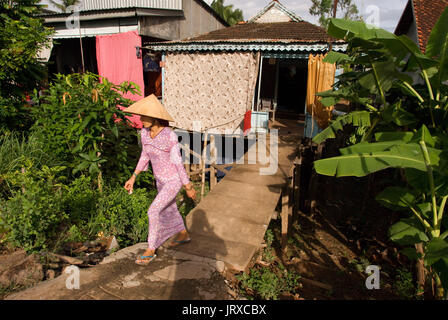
[(89, 5), (279, 46)]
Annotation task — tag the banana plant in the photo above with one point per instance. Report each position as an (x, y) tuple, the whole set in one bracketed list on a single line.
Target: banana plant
[(381, 83), (401, 97)]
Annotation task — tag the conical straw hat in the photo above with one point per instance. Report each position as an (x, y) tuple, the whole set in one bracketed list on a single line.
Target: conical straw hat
[(151, 107)]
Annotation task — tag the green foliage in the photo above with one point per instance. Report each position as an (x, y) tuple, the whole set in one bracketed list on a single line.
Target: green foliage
[(412, 123), (79, 119), (22, 36), (226, 12), (44, 210), (74, 234), (324, 10), (124, 215), (358, 119), (404, 284), (33, 215), (81, 199), (15, 149), (269, 237), (63, 5), (267, 284)]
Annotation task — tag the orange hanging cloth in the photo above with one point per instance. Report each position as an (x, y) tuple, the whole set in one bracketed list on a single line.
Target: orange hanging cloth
[(320, 78)]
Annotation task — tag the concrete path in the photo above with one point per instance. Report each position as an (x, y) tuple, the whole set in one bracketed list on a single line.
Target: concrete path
[(229, 224), (171, 276), (227, 227)]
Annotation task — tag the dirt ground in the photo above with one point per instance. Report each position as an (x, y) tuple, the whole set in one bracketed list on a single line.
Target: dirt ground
[(332, 247)]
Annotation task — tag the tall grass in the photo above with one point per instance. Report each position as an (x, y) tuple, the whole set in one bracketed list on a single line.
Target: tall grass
[(15, 148)]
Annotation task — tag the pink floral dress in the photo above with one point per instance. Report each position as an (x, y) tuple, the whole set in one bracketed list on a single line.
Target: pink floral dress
[(164, 154)]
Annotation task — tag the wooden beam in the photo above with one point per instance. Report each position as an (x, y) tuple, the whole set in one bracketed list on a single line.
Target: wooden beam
[(220, 167)]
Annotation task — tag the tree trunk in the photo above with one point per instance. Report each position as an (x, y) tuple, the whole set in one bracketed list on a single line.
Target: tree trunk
[(420, 268)]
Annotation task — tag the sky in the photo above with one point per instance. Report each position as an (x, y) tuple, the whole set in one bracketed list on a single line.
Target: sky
[(389, 11)]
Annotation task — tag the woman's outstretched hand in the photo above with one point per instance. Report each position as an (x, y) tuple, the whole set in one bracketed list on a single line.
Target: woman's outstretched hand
[(129, 185), (191, 192)]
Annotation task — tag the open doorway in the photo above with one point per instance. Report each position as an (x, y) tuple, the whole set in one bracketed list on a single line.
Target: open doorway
[(292, 82), (282, 85), (66, 56)]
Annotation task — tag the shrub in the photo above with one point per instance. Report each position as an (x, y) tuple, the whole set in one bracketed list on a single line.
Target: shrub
[(124, 215), (33, 215), (79, 117), (81, 199), (267, 284), (15, 149)]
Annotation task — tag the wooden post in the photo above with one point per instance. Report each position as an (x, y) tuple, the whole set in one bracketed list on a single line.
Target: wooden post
[(204, 156), (284, 215), (259, 83), (187, 156), (296, 186), (314, 183), (213, 180), (277, 73), (287, 206)]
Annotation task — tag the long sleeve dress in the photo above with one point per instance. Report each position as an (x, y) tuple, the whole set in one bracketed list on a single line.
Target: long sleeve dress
[(164, 154)]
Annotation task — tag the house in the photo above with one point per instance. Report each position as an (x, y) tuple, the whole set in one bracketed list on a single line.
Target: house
[(258, 65), (418, 19), (109, 37)]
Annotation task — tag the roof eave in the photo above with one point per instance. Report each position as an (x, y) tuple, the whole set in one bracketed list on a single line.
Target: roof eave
[(270, 46), (113, 13)]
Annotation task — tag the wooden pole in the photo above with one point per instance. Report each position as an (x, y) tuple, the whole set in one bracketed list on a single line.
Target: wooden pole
[(204, 155), (213, 180), (277, 73), (259, 83), (82, 50)]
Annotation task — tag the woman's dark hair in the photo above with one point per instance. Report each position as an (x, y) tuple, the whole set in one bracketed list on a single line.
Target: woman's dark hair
[(163, 122)]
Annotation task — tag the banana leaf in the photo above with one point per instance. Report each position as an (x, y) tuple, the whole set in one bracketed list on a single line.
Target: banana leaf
[(355, 118), (362, 164)]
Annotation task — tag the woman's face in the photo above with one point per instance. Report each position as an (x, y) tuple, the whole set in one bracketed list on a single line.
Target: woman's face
[(147, 121)]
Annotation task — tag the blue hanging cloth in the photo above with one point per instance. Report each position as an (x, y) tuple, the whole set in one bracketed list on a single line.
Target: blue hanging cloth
[(150, 64)]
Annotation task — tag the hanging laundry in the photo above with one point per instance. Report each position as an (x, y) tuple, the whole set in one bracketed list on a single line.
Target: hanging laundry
[(150, 64), (247, 122)]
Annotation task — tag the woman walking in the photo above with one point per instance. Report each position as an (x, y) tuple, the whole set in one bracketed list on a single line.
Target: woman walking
[(160, 147)]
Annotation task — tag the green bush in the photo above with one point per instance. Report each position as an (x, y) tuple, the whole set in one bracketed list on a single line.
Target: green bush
[(23, 36), (15, 149), (268, 284), (79, 117), (124, 215), (34, 214), (44, 211), (81, 199)]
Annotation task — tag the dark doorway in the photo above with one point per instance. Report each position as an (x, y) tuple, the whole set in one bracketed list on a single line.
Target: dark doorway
[(283, 83), (292, 82), (66, 56)]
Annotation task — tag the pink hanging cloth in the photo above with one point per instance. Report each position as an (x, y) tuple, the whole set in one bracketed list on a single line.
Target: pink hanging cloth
[(118, 62)]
